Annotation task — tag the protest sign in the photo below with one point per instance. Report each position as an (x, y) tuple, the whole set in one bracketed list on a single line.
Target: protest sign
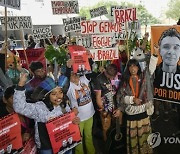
[(72, 24), (84, 41), (63, 134), (167, 74), (15, 4), (102, 41), (32, 55), (10, 134), (65, 7), (115, 7), (30, 147), (16, 22), (98, 11), (98, 27), (80, 57), (133, 29), (42, 33), (104, 54), (125, 15)]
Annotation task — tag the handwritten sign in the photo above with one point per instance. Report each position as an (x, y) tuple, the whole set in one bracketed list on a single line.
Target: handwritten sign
[(10, 134), (104, 54), (15, 4), (16, 22), (115, 7), (63, 134), (42, 32), (98, 27), (98, 11), (65, 7), (125, 15), (72, 24), (102, 41)]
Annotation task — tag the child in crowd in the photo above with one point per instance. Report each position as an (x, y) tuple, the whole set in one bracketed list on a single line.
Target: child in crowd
[(52, 104), (136, 97)]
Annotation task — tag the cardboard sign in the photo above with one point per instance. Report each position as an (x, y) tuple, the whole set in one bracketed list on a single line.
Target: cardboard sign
[(167, 83), (80, 57), (115, 7), (72, 24), (99, 27), (10, 134), (98, 11), (84, 41), (133, 28), (102, 41), (17, 22), (65, 7), (104, 54), (42, 33), (32, 55), (63, 134), (125, 15), (15, 4)]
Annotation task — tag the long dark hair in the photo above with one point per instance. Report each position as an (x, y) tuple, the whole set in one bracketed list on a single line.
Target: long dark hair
[(127, 73)]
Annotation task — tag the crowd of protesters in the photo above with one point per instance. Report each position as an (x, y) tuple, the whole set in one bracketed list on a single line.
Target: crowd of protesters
[(121, 90)]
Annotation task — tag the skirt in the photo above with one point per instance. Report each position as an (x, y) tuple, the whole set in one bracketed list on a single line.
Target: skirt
[(137, 134)]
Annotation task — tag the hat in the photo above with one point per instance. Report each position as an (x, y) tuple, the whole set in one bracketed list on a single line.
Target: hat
[(46, 86)]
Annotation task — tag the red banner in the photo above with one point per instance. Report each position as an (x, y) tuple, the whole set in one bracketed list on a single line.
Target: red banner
[(79, 55), (32, 55), (30, 147), (10, 134), (63, 134)]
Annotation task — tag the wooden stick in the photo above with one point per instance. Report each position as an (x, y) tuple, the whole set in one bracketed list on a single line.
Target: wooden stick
[(22, 41), (127, 43)]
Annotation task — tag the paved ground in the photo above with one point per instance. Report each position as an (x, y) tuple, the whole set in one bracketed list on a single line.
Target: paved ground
[(166, 129)]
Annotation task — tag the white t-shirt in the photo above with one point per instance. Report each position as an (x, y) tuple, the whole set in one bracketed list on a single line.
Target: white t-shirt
[(80, 97)]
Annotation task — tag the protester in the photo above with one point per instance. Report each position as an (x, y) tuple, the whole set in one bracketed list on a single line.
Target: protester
[(31, 42), (105, 88), (136, 98), (80, 96), (52, 104), (6, 107)]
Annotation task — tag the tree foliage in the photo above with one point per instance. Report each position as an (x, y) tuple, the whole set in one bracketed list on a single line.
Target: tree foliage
[(143, 15), (174, 9)]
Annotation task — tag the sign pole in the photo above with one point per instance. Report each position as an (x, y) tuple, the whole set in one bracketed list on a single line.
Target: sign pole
[(127, 43), (6, 38)]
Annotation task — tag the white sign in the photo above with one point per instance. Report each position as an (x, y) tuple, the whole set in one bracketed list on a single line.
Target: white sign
[(16, 22), (115, 7), (72, 24), (102, 41), (65, 7), (15, 4), (99, 27), (125, 15), (104, 54), (133, 28), (98, 11), (42, 33)]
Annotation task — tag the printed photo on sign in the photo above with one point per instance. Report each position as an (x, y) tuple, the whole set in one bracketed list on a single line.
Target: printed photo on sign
[(99, 27), (65, 7), (72, 24), (104, 54), (42, 33), (63, 134), (80, 57), (167, 74), (17, 22), (10, 134), (84, 41), (98, 11)]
